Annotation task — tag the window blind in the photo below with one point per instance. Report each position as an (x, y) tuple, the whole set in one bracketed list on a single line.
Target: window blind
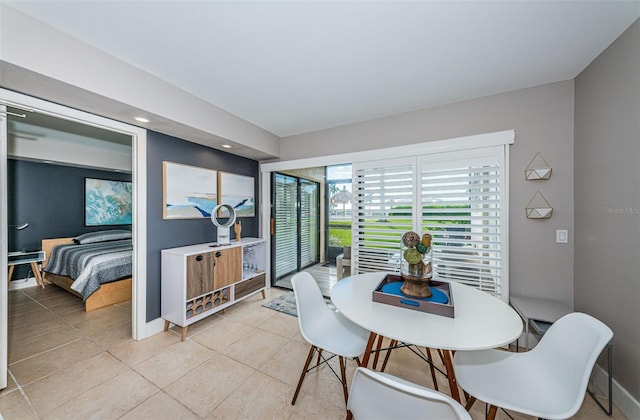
[(286, 225), (461, 208), (462, 199), (383, 202), (309, 223)]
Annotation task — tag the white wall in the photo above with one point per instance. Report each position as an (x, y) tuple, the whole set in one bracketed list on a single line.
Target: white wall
[(73, 151)]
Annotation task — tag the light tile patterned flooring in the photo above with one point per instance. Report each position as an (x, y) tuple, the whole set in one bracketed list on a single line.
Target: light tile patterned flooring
[(242, 364)]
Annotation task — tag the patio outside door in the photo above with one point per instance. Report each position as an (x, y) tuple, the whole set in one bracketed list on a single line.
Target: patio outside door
[(296, 224)]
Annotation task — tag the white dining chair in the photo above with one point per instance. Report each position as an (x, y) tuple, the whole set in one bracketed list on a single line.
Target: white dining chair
[(548, 381), (326, 330), (378, 395)]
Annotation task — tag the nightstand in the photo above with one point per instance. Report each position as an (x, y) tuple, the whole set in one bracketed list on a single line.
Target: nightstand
[(27, 257)]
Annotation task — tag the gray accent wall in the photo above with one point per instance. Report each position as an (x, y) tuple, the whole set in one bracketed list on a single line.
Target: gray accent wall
[(607, 199), (163, 234), (542, 118), (51, 199)]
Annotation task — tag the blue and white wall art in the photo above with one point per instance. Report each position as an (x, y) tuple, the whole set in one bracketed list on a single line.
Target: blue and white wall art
[(238, 191), (107, 202), (189, 192)]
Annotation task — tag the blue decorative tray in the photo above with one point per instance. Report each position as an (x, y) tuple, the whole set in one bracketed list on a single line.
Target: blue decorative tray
[(440, 303)]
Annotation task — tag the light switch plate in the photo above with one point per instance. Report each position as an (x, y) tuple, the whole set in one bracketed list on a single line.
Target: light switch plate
[(562, 236)]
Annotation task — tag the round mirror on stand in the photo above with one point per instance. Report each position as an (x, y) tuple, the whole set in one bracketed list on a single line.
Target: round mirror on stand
[(217, 217)]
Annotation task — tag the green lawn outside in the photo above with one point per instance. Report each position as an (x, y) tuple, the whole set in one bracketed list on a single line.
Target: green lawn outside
[(340, 230), (339, 236)]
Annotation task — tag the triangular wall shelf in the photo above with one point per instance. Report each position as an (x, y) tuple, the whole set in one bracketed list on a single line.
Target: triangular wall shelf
[(538, 207), (537, 169)]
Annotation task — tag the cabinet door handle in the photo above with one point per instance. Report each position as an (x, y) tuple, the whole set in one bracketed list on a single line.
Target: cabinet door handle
[(218, 254), (199, 258)]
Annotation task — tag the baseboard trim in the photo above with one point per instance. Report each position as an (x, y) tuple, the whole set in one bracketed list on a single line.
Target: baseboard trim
[(622, 399)]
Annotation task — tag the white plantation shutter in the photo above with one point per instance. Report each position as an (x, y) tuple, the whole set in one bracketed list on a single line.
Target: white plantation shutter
[(382, 213), (462, 203), (463, 200)]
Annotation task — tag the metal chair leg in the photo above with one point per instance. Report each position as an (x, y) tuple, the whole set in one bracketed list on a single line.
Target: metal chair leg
[(608, 411)]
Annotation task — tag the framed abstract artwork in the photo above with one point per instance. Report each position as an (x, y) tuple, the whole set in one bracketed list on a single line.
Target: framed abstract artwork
[(239, 192), (189, 192), (107, 202)]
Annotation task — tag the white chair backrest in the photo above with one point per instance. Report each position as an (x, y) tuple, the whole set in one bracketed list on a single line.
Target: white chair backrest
[(571, 347), (375, 395), (310, 303)]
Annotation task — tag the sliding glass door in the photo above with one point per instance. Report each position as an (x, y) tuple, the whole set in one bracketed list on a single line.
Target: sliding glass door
[(309, 223), (295, 224), (285, 225)]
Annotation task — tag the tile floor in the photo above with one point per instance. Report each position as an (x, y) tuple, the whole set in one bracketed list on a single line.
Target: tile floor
[(242, 364)]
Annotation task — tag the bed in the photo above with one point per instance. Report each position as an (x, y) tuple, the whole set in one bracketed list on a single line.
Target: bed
[(96, 266)]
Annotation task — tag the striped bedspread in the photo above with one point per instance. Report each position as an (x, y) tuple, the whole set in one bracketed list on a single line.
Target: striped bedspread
[(91, 265)]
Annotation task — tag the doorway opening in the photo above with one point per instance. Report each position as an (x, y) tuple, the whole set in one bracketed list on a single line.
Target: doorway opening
[(296, 225), (19, 104), (310, 214)]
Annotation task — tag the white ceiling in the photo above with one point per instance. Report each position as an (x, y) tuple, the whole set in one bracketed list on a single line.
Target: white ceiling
[(292, 67)]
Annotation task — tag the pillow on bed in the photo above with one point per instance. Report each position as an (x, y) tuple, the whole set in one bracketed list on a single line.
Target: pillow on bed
[(102, 236)]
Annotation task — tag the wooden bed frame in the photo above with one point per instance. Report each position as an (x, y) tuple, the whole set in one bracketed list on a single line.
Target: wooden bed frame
[(108, 294)]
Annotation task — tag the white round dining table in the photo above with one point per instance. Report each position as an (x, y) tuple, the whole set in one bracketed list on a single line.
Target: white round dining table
[(480, 320)]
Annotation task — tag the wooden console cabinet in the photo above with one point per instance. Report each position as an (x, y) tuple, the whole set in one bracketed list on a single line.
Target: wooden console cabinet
[(200, 280)]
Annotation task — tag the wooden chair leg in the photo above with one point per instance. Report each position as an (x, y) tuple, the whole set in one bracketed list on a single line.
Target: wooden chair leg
[(302, 375), (451, 375), (377, 353), (343, 375), (319, 356), (349, 415), (367, 351), (386, 356), (470, 403), (433, 370), (491, 415)]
